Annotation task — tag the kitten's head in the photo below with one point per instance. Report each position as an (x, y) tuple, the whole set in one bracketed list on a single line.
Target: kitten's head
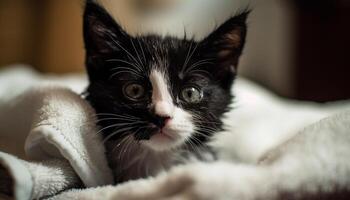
[(160, 92)]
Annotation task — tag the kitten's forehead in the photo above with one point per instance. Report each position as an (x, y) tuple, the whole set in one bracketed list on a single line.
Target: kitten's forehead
[(164, 50), (158, 43)]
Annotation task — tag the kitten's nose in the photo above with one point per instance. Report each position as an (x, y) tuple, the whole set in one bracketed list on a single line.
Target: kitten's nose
[(161, 121), (162, 113), (163, 109)]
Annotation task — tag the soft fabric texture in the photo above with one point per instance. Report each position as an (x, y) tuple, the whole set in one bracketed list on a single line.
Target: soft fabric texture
[(59, 132), (34, 180), (64, 125), (20, 175)]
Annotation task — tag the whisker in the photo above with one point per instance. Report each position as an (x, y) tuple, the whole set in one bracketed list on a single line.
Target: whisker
[(117, 145), (127, 148), (140, 128), (120, 72), (125, 72), (126, 69), (187, 56), (193, 146), (116, 118), (197, 64), (115, 133), (137, 53), (210, 131), (126, 62), (107, 127), (117, 115), (136, 71), (124, 148), (190, 56), (200, 120), (209, 123), (126, 51), (143, 52)]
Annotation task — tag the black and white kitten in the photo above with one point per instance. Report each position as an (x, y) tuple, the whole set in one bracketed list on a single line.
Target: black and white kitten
[(158, 99)]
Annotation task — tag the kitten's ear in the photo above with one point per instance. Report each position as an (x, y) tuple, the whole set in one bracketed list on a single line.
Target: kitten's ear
[(226, 43), (102, 35)]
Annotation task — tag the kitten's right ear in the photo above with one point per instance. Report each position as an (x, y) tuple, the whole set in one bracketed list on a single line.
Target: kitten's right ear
[(102, 35)]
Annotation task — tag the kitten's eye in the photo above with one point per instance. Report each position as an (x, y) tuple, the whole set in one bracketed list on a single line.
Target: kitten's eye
[(134, 91), (191, 95)]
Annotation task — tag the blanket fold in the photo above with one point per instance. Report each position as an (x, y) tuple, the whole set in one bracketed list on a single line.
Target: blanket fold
[(20, 180), (63, 129)]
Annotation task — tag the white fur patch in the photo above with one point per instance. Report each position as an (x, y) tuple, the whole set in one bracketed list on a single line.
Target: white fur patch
[(179, 128), (161, 98), (194, 18)]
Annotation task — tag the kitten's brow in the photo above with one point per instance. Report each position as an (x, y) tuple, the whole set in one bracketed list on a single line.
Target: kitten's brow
[(189, 56), (197, 64), (126, 62), (143, 52), (125, 70), (188, 53), (137, 53)]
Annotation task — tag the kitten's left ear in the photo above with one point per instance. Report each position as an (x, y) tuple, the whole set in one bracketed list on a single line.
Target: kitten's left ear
[(226, 43), (102, 35)]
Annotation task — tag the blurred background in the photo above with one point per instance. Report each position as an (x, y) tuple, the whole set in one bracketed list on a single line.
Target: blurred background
[(297, 48)]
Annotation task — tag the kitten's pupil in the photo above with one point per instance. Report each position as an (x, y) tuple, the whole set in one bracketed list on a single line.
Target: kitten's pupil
[(134, 91), (192, 95), (189, 94)]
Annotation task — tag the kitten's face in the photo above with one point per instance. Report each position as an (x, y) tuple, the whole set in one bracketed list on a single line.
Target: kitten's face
[(161, 92)]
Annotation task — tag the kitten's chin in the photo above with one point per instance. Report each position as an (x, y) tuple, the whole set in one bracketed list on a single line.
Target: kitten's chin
[(165, 141)]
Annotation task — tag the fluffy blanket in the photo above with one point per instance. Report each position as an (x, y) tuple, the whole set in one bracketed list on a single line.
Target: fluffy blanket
[(60, 141), (46, 116)]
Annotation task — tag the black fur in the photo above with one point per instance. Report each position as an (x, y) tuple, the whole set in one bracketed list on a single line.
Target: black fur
[(110, 50)]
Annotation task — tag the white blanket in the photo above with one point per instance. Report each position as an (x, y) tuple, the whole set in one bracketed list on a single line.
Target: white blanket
[(59, 130), (55, 124)]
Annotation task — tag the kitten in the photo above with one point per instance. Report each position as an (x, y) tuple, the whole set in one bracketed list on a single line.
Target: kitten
[(159, 100)]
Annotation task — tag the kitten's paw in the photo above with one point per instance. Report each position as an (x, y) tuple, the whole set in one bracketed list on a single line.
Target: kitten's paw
[(219, 181), (202, 182)]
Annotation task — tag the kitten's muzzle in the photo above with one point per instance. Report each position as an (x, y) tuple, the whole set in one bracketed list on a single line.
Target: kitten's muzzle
[(156, 125), (160, 121)]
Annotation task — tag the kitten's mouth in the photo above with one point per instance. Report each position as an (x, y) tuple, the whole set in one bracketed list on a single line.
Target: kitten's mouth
[(163, 135), (167, 135), (163, 140)]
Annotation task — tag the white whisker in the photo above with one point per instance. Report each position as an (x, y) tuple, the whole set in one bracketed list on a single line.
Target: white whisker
[(116, 132), (126, 62), (143, 52), (126, 51), (137, 53)]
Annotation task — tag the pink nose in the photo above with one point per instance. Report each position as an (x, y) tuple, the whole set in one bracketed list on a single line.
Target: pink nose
[(164, 109)]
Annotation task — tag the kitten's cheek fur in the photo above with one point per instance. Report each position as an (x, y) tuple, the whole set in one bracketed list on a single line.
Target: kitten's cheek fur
[(179, 130)]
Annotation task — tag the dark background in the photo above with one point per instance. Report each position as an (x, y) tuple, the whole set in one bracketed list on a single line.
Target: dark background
[(323, 50)]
